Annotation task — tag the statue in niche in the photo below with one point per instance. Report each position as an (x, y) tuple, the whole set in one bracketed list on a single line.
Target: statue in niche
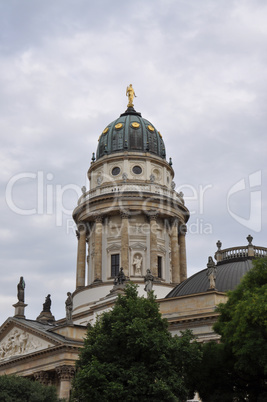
[(137, 264), (99, 180), (69, 307), (149, 278), (152, 178), (211, 272), (47, 304), (21, 289)]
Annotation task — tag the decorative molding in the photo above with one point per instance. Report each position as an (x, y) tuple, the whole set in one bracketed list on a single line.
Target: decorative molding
[(43, 377), (114, 246), (99, 219), (137, 246), (65, 373), (162, 249)]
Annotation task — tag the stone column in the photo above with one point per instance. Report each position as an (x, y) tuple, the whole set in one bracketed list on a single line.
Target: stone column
[(125, 243), (81, 257), (153, 245), (98, 249), (176, 277), (65, 374), (181, 241)]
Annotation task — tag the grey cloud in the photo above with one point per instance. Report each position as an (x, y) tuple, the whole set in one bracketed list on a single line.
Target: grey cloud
[(199, 70)]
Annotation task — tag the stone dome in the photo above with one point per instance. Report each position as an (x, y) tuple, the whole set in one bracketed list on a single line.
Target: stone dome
[(228, 276), (232, 264), (131, 133)]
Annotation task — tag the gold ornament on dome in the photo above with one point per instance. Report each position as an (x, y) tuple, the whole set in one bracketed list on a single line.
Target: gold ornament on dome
[(151, 128), (131, 95), (160, 134), (105, 131), (135, 124), (118, 126)]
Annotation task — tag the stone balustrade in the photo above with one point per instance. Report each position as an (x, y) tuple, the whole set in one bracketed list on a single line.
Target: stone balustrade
[(240, 252), (128, 187)]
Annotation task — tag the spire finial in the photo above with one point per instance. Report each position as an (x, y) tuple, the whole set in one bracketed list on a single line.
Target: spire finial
[(131, 94)]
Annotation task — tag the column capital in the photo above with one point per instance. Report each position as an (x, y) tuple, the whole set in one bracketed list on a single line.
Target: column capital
[(42, 377), (81, 228), (125, 214), (152, 215), (65, 372), (99, 218), (182, 229)]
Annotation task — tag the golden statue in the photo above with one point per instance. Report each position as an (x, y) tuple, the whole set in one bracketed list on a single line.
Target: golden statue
[(131, 94)]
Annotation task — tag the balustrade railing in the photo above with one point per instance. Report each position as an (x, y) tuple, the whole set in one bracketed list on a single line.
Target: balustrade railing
[(240, 252), (126, 187)]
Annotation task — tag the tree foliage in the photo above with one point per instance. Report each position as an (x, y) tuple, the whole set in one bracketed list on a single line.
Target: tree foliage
[(240, 360), (19, 389), (129, 355)]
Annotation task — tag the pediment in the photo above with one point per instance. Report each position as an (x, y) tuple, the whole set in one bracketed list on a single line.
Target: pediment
[(18, 340), (138, 246), (114, 247)]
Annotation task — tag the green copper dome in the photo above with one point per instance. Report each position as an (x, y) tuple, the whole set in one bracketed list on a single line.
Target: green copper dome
[(132, 133)]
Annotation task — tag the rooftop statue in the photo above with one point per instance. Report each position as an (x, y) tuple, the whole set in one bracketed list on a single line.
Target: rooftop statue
[(131, 94), (69, 307), (149, 278), (120, 278), (211, 272), (47, 304), (21, 289)]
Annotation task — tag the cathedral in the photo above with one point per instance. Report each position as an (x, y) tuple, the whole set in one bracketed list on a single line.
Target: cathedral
[(131, 226)]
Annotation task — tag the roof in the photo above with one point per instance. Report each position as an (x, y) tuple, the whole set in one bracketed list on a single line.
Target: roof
[(228, 276), (130, 132)]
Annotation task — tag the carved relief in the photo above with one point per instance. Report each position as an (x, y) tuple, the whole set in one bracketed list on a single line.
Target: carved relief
[(19, 342)]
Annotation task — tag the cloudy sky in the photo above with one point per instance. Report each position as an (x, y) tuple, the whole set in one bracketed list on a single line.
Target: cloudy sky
[(198, 68)]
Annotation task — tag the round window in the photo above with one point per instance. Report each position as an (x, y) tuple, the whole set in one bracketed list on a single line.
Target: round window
[(137, 169), (115, 171)]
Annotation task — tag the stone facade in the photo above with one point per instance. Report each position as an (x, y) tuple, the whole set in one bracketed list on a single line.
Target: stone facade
[(130, 217)]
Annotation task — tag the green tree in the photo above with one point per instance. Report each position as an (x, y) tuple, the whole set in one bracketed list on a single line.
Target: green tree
[(129, 355), (237, 367), (20, 389)]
